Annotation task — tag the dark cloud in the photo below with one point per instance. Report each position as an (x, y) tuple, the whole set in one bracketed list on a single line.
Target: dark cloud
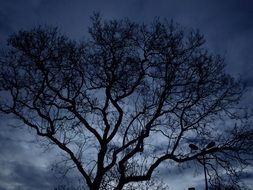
[(26, 176), (27, 165), (182, 176), (247, 175), (21, 167)]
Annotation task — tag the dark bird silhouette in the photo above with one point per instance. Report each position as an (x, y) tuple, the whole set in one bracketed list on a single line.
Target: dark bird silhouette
[(193, 147), (210, 145)]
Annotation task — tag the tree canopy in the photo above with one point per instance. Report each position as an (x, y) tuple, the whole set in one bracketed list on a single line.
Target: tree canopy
[(127, 100)]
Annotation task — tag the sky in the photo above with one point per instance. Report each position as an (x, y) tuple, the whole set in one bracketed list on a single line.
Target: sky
[(226, 24)]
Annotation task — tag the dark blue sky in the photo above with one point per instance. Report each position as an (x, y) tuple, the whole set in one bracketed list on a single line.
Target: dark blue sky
[(226, 24)]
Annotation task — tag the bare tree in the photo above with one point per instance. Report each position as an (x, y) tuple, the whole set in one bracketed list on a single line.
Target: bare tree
[(216, 184), (128, 100), (152, 184)]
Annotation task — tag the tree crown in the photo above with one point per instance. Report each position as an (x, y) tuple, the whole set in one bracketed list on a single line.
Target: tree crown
[(126, 100)]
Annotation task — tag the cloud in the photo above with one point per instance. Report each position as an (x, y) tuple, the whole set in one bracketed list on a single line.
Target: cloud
[(25, 164), (182, 176), (26, 176), (22, 161)]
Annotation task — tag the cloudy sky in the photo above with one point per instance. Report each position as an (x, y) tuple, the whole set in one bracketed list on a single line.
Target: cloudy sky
[(226, 24)]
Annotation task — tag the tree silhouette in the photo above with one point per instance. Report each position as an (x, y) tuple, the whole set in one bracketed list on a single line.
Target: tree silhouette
[(127, 100), (216, 184)]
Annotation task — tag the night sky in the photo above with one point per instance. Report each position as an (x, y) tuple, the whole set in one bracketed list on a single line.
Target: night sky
[(226, 24)]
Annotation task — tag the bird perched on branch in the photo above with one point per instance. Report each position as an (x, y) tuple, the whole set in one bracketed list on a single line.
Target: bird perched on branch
[(193, 147)]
